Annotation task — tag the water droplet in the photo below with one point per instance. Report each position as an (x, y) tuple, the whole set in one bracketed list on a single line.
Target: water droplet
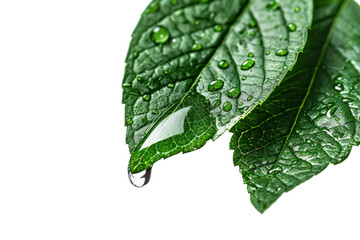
[(251, 55), (297, 9), (339, 87), (267, 52), (234, 92), (291, 27), (250, 98), (153, 7), (196, 23), (272, 6), (174, 2), (196, 47), (179, 12), (146, 97), (252, 24), (140, 179), (166, 72), (252, 34), (215, 85), (240, 104), (337, 119), (125, 85), (275, 170), (217, 28), (139, 78), (155, 111), (136, 54), (276, 26), (227, 107), (171, 85), (247, 64), (129, 121), (160, 35), (282, 52), (223, 64), (215, 104), (244, 78)]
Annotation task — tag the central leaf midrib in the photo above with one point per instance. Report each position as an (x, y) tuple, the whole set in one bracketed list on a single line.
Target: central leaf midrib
[(321, 58)]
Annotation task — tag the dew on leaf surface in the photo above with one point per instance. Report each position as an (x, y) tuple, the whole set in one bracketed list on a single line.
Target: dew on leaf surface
[(160, 35)]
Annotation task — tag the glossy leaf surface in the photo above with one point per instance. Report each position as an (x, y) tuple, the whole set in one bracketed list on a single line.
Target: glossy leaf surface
[(312, 119), (195, 67)]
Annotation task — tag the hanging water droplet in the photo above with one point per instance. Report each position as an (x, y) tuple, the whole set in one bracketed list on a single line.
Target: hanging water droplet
[(153, 7), (291, 27), (126, 85), (140, 179), (252, 24), (223, 64), (234, 92), (215, 85), (282, 52), (250, 98), (272, 6), (215, 104), (196, 47), (251, 55), (297, 9), (146, 97), (227, 107), (217, 28), (160, 35), (247, 64), (171, 85)]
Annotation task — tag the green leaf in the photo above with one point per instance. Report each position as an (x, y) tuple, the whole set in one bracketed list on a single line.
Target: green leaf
[(195, 67), (313, 118)]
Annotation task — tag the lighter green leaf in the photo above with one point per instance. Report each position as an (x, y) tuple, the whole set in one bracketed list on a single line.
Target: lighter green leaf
[(312, 119), (177, 52)]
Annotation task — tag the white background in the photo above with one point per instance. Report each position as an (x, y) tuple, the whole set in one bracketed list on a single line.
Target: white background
[(63, 157)]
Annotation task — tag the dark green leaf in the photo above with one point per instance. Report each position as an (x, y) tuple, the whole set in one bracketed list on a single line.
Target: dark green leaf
[(313, 118), (181, 47)]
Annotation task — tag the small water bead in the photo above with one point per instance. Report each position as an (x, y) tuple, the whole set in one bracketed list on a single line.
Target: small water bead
[(240, 104), (126, 85), (297, 9), (155, 112), (234, 92), (179, 12), (252, 34), (251, 55), (275, 170), (129, 121), (337, 119), (136, 54), (252, 24), (215, 104), (171, 85), (244, 78), (339, 87), (166, 72), (282, 52), (160, 35), (227, 106), (217, 28), (139, 78), (196, 47), (247, 64), (153, 7), (146, 97), (272, 6), (291, 27), (174, 2), (215, 85), (223, 64), (250, 98), (267, 52), (276, 26)]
